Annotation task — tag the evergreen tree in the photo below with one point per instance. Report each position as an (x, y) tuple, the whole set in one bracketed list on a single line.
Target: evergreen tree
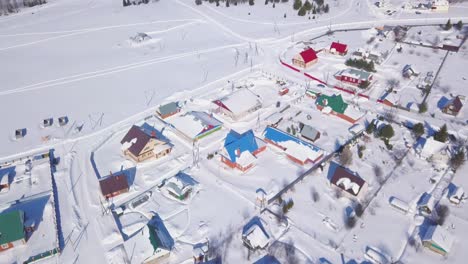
[(422, 107), (227, 3), (459, 25), (251, 2), (297, 4), (458, 159), (326, 8), (302, 11), (307, 5), (442, 134), (198, 2), (386, 132), (418, 130), (448, 25)]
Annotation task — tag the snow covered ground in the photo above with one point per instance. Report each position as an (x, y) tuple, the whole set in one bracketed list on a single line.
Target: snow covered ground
[(76, 59)]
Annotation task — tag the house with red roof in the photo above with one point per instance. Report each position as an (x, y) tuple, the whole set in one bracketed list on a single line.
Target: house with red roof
[(305, 59), (338, 48), (144, 143)]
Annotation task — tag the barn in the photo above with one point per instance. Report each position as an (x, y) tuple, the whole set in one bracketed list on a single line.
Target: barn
[(305, 59)]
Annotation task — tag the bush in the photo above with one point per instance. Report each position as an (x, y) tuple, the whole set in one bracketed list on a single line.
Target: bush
[(210, 156), (361, 64), (458, 159), (315, 195), (359, 210), (418, 130), (370, 128), (423, 107), (361, 149), (442, 134), (386, 132), (346, 156)]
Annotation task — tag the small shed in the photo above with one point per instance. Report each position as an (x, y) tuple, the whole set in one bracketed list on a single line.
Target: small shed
[(47, 122), (437, 239), (338, 48), (168, 109), (20, 133), (12, 229), (456, 195), (309, 133), (399, 205), (63, 120)]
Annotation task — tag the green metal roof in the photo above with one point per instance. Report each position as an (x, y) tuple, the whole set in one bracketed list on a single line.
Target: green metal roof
[(335, 102), (11, 227)]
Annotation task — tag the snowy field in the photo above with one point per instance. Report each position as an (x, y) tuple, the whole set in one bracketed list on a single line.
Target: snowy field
[(107, 67)]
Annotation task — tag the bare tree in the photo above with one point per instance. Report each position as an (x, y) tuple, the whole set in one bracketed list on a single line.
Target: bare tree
[(346, 156)]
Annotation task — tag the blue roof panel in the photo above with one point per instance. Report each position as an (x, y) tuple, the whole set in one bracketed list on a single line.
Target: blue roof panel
[(243, 142)]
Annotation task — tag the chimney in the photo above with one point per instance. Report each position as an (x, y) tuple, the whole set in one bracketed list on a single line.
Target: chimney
[(238, 152), (153, 134)]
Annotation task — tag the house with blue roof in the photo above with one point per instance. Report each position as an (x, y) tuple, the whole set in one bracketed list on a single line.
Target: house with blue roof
[(240, 150), (295, 149)]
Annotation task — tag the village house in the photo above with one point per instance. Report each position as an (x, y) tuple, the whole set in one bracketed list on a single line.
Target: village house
[(239, 104), (426, 204), (169, 109), (456, 195), (409, 71), (433, 151), (309, 132), (178, 187), (353, 76), (113, 185), (335, 105), (440, 6), (338, 48), (453, 106), (352, 185), (12, 230), (196, 125), (437, 239), (295, 149), (161, 241), (305, 59), (254, 235), (240, 150), (144, 143)]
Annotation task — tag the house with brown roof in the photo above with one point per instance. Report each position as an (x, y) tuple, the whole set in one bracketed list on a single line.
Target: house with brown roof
[(144, 143), (305, 59), (453, 106), (352, 185), (113, 185)]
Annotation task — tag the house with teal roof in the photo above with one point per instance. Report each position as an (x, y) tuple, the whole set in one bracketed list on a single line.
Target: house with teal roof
[(12, 230), (335, 105)]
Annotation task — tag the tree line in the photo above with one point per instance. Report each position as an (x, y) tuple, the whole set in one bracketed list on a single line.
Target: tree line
[(13, 6)]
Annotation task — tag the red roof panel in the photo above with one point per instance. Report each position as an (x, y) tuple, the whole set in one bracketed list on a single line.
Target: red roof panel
[(339, 47), (308, 55)]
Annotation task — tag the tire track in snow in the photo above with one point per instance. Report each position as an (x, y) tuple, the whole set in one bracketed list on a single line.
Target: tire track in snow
[(113, 70), (87, 31), (101, 28)]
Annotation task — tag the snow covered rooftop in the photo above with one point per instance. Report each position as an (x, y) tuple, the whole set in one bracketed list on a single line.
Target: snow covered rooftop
[(426, 147), (239, 101), (194, 123), (354, 73), (256, 236), (441, 237)]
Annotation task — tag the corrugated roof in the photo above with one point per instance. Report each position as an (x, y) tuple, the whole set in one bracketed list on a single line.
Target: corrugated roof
[(340, 174), (335, 102), (308, 55), (11, 226), (169, 108), (242, 142), (339, 47), (113, 183)]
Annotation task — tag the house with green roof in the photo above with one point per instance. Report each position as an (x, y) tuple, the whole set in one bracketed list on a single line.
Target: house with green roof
[(335, 105), (335, 102), (12, 230)]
